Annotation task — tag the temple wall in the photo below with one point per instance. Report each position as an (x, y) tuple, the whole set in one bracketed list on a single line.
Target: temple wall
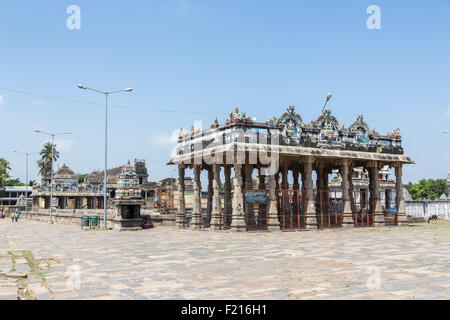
[(69, 216), (73, 216), (427, 208)]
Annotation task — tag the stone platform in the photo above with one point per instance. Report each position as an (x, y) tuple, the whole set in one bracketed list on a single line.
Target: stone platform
[(167, 263)]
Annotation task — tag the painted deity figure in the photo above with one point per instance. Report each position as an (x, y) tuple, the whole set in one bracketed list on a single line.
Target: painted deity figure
[(360, 130)]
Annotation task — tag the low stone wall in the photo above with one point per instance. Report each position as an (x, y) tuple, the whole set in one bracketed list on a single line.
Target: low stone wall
[(428, 208), (73, 216), (163, 219), (70, 216)]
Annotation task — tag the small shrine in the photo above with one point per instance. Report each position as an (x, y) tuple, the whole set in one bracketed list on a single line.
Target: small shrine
[(128, 200)]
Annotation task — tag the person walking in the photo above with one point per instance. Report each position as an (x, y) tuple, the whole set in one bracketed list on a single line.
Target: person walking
[(12, 216), (16, 216)]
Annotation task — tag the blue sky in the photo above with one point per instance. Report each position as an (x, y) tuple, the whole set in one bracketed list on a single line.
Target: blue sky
[(190, 60)]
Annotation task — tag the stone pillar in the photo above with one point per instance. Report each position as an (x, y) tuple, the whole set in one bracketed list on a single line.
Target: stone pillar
[(375, 200), (350, 190), (303, 197), (210, 195), (181, 214), (325, 196), (238, 216), (216, 213), (227, 198), (249, 207), (284, 195), (347, 214), (319, 192), (262, 209), (311, 219), (273, 224), (197, 208), (277, 193), (402, 220), (295, 197)]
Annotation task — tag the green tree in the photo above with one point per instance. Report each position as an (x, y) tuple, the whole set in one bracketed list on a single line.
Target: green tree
[(81, 177), (4, 173), (31, 183), (47, 153), (14, 183), (427, 189)]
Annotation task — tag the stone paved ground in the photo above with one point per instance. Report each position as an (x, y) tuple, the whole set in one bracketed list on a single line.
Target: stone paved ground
[(166, 263)]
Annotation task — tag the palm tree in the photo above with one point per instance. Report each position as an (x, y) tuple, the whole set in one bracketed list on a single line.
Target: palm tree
[(46, 156), (4, 174)]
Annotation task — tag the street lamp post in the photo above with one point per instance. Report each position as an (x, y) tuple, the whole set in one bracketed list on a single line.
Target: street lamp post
[(26, 180), (106, 93), (326, 101), (51, 165)]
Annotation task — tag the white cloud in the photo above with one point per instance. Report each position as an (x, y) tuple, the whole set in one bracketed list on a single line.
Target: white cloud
[(163, 139), (63, 145), (447, 113)]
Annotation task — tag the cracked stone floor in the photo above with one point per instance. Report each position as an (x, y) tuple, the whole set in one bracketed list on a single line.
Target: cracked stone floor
[(63, 262)]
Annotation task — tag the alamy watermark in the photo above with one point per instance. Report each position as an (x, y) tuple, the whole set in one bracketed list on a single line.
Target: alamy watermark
[(73, 22), (73, 277), (237, 145), (374, 20), (374, 278)]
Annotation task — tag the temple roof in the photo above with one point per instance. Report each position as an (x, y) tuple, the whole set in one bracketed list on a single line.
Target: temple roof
[(325, 137), (65, 173), (98, 176)]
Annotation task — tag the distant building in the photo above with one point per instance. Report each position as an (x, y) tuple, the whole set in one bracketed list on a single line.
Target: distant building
[(68, 193), (15, 195), (448, 179)]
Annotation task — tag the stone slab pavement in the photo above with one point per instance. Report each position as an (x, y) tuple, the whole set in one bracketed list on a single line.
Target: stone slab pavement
[(63, 262)]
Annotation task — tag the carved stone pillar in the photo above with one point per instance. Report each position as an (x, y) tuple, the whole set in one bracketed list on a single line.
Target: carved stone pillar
[(350, 190), (319, 195), (277, 193), (375, 199), (347, 214), (303, 198), (210, 195), (402, 220), (295, 196), (216, 213), (285, 208), (249, 207), (325, 196), (311, 219), (238, 218), (262, 209), (274, 223), (197, 206), (181, 214), (227, 198)]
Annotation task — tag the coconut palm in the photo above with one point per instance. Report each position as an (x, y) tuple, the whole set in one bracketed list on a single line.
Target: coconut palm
[(4, 174), (47, 153)]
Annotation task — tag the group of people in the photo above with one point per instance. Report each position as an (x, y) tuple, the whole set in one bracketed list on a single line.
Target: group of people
[(14, 216)]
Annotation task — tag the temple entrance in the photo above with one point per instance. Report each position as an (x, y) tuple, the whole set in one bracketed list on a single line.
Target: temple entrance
[(364, 216), (292, 210), (256, 210), (130, 212), (328, 209)]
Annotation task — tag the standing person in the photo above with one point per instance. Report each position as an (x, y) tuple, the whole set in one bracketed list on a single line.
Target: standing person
[(16, 216), (12, 216)]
